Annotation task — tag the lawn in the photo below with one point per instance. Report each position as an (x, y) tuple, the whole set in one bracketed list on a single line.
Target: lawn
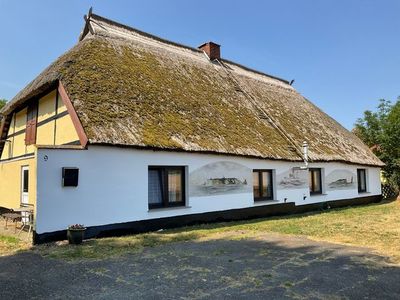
[(11, 244), (376, 226)]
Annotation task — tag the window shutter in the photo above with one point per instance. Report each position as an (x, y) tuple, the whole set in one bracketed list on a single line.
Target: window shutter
[(31, 124), (27, 133)]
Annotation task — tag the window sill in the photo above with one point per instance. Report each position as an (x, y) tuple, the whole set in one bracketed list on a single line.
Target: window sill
[(363, 193), (316, 195), (168, 208), (263, 202)]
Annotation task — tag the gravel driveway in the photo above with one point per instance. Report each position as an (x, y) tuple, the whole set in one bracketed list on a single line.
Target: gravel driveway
[(271, 266)]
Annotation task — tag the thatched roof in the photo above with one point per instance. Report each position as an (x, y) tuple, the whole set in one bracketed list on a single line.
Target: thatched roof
[(133, 89)]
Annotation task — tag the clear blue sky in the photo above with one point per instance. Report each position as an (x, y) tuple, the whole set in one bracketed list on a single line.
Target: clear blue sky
[(344, 55)]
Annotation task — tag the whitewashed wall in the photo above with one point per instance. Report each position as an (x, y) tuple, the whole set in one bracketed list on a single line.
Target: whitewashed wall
[(113, 186)]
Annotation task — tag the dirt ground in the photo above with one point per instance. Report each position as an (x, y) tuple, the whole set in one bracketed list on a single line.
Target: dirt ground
[(271, 266)]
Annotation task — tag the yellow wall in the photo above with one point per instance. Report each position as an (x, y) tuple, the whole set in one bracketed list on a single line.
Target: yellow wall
[(10, 169), (45, 134), (18, 145), (47, 106), (61, 107), (6, 151), (66, 132), (62, 127), (20, 120), (11, 130), (10, 182)]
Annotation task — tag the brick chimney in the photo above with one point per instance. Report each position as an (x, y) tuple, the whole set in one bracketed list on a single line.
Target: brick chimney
[(212, 50)]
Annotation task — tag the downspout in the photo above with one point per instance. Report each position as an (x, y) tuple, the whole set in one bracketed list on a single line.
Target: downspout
[(305, 155)]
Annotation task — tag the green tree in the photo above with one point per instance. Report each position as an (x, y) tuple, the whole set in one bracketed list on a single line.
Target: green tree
[(391, 145), (380, 130), (2, 103)]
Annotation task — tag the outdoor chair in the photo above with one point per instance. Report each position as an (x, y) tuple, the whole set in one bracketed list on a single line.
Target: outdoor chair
[(27, 212)]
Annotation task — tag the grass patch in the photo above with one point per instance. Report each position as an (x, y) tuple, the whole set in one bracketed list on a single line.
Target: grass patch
[(10, 245), (375, 226), (111, 247)]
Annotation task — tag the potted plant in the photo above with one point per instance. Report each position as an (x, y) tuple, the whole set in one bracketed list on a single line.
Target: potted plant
[(75, 234)]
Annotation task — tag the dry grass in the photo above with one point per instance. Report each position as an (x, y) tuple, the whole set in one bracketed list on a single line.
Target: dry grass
[(375, 226), (10, 245)]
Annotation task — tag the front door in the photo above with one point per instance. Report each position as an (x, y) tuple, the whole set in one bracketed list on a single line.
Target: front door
[(24, 189)]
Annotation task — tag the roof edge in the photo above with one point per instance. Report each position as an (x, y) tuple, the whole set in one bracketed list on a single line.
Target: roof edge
[(37, 92)]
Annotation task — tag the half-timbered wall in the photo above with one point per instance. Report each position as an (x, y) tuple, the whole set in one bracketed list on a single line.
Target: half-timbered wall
[(42, 122)]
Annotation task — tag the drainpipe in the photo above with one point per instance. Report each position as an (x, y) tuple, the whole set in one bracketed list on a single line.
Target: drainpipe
[(305, 154)]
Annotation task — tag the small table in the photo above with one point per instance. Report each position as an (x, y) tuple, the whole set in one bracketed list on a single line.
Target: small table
[(14, 217)]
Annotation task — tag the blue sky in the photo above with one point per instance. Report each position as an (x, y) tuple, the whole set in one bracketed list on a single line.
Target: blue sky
[(344, 55)]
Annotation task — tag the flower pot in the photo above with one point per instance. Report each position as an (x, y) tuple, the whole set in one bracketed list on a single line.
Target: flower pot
[(75, 236)]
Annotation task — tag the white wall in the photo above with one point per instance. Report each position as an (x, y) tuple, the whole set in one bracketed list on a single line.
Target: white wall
[(113, 186)]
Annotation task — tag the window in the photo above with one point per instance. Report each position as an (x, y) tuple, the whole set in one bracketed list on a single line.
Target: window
[(315, 181), (166, 186), (25, 183), (262, 185), (362, 180)]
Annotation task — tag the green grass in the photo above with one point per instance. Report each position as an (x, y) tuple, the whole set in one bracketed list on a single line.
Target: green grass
[(376, 226), (10, 245)]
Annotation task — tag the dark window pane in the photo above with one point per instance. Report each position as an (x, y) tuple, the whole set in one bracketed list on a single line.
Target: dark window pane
[(175, 186), (26, 181), (310, 180), (315, 181), (267, 184), (262, 184), (154, 186), (362, 182), (256, 185)]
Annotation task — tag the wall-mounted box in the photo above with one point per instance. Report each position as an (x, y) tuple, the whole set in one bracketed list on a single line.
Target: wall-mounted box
[(70, 176)]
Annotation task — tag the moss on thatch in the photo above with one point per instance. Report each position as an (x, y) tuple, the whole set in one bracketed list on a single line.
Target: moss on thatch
[(128, 96), (127, 91)]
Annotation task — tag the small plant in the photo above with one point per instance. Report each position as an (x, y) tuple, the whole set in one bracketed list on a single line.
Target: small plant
[(76, 227), (76, 233)]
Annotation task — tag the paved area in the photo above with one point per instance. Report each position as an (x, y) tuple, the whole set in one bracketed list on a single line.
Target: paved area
[(269, 267)]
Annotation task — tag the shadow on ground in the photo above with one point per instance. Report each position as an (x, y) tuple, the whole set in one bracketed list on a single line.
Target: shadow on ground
[(271, 266)]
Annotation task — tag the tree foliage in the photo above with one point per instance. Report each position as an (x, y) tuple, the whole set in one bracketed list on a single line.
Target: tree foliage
[(380, 130), (2, 103)]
